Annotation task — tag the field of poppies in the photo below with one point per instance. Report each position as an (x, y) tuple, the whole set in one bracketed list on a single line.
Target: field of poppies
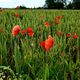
[(39, 44)]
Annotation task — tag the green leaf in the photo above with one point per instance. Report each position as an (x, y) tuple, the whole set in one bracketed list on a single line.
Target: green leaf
[(46, 74)]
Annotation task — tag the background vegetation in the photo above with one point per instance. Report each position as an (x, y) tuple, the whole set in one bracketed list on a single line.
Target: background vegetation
[(22, 57)]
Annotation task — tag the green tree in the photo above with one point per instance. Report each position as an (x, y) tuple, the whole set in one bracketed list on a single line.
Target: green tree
[(50, 4), (55, 4), (70, 6)]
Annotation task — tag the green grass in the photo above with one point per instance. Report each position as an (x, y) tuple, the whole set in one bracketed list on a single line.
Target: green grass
[(23, 58)]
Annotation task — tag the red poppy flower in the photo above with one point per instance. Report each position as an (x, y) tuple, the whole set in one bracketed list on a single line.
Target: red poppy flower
[(30, 34), (30, 31), (16, 15), (60, 33), (57, 21), (48, 43), (23, 32), (59, 17), (68, 35), (43, 44), (46, 24), (75, 36), (16, 29)]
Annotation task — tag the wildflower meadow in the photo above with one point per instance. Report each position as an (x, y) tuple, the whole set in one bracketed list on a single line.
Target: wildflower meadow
[(39, 44)]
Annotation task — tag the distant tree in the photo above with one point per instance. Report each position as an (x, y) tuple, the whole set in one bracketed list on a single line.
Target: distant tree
[(61, 4), (50, 4), (65, 2), (76, 5), (22, 7), (76, 1), (58, 5), (55, 4), (69, 6), (45, 6)]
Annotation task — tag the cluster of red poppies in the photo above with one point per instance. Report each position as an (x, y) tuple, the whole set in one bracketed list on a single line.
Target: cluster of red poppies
[(75, 36), (48, 43), (16, 30), (57, 20)]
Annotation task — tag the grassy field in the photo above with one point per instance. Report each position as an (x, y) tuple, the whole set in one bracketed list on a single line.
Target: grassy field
[(50, 52)]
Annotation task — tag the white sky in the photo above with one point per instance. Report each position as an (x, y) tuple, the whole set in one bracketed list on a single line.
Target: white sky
[(27, 3)]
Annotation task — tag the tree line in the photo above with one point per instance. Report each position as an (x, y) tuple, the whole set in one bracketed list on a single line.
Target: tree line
[(62, 4), (58, 4)]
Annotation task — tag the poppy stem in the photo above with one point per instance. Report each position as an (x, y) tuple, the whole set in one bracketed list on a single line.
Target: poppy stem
[(45, 57)]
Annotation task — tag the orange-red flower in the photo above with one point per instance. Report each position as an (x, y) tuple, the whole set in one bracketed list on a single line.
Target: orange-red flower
[(75, 36), (59, 17), (60, 33), (23, 32), (48, 43), (30, 31), (56, 21), (68, 35), (46, 24), (43, 44), (30, 34), (16, 29), (16, 15)]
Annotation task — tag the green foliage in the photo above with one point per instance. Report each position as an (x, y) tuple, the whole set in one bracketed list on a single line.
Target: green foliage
[(22, 56), (52, 4)]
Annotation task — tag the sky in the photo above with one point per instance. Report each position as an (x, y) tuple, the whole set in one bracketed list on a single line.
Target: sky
[(27, 3)]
